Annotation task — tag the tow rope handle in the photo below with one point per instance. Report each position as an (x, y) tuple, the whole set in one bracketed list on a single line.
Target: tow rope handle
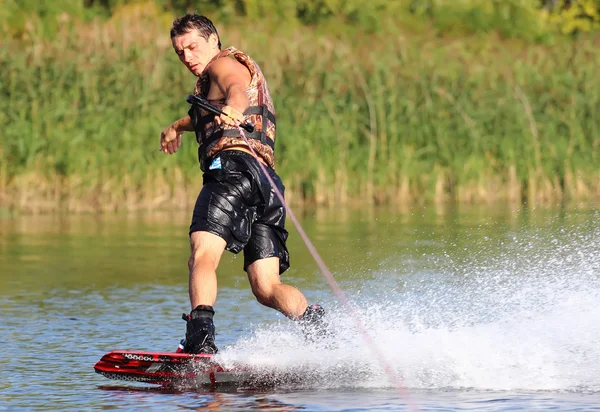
[(203, 103)]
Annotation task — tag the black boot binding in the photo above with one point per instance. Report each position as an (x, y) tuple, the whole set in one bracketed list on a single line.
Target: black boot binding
[(200, 331), (312, 322)]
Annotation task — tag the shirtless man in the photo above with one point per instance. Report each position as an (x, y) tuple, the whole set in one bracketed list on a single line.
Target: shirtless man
[(237, 208)]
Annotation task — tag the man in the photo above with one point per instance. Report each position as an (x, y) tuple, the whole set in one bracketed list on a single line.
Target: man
[(237, 208)]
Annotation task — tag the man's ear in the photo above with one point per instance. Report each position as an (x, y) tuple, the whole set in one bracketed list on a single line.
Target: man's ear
[(213, 39)]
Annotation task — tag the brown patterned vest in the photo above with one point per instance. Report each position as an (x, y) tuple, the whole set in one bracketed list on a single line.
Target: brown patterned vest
[(214, 138)]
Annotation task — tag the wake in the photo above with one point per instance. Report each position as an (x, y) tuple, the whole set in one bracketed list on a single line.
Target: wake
[(526, 318)]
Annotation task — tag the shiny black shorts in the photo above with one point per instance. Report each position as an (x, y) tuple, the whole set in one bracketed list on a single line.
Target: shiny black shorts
[(237, 204)]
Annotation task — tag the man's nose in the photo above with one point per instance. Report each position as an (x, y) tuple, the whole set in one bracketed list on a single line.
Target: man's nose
[(187, 56)]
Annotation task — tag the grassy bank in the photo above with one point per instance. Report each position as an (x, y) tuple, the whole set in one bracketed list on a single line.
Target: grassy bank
[(396, 116)]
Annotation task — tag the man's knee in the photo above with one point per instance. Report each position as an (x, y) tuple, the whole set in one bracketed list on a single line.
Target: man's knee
[(206, 249), (204, 258), (263, 293), (264, 277)]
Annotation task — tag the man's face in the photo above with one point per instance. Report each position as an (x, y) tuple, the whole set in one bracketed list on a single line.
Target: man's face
[(194, 51)]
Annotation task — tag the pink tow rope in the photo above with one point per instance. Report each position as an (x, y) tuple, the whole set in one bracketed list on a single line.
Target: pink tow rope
[(396, 379)]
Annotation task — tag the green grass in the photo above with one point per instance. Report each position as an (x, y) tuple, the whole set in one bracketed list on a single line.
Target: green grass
[(390, 117)]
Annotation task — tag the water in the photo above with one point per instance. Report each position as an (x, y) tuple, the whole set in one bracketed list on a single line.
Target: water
[(482, 310)]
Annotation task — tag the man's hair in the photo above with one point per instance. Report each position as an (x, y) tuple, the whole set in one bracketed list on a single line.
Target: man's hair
[(191, 22)]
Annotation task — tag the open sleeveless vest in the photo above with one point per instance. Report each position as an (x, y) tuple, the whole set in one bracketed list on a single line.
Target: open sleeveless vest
[(261, 113)]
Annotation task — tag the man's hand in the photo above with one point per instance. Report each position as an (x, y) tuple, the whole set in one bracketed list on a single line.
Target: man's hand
[(233, 116), (170, 140)]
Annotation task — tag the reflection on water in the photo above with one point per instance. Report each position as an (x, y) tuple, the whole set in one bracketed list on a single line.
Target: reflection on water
[(209, 399), (478, 309)]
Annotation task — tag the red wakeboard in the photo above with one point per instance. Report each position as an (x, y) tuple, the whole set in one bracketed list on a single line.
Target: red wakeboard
[(166, 368)]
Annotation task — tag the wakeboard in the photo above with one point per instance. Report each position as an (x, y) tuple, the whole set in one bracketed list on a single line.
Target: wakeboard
[(166, 368)]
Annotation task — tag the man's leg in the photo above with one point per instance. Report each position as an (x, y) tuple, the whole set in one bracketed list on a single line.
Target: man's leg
[(207, 249), (266, 256), (269, 291)]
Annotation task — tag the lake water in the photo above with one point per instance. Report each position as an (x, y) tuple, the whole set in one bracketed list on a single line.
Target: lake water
[(472, 309)]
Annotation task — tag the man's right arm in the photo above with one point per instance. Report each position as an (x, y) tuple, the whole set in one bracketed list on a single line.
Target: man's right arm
[(170, 138), (183, 125)]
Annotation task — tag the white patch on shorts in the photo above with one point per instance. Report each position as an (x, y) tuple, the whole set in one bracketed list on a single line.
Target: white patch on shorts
[(216, 164)]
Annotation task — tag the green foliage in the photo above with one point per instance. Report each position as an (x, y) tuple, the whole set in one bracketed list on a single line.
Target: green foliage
[(47, 16), (575, 16), (534, 20), (382, 117), (511, 18), (529, 19)]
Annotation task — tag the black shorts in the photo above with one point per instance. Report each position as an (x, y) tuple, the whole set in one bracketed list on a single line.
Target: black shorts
[(237, 204)]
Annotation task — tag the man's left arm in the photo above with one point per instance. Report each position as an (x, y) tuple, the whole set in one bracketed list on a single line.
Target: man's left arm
[(231, 78)]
